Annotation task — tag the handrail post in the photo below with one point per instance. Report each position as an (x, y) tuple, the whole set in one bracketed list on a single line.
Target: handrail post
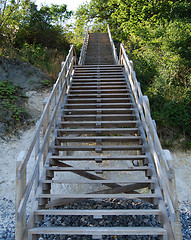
[(20, 188), (37, 148), (121, 55), (45, 125)]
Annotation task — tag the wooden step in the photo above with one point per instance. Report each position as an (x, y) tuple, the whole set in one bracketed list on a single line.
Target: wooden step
[(99, 111), (99, 196), (100, 138), (101, 116), (100, 123), (94, 66), (97, 105), (104, 124), (99, 158), (103, 77), (103, 88), (101, 100), (94, 83), (99, 131), (96, 95), (89, 80), (98, 148), (103, 182), (103, 212), (101, 73), (124, 231), (99, 91), (98, 70), (98, 169)]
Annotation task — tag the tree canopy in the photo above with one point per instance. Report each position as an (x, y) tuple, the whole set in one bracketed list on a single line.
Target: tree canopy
[(21, 21)]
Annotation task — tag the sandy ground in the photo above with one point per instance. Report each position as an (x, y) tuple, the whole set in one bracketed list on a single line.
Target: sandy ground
[(182, 165), (9, 152)]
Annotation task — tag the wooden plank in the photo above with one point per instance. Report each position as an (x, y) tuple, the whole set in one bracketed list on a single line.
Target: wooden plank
[(102, 100), (102, 138), (86, 80), (98, 66), (99, 91), (104, 158), (99, 86), (113, 111), (103, 110), (89, 212), (143, 181), (102, 95), (92, 83), (101, 74), (99, 130), (93, 148), (104, 117), (91, 105), (102, 77), (96, 70), (124, 123), (96, 169), (99, 196), (109, 72), (99, 231)]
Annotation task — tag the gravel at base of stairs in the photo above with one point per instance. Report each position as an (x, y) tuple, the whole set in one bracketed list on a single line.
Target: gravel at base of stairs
[(7, 222)]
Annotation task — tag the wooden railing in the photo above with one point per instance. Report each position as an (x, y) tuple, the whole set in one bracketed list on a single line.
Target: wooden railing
[(84, 48), (35, 157), (113, 49), (162, 158)]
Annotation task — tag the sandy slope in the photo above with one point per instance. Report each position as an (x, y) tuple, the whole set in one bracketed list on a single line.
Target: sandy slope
[(9, 150)]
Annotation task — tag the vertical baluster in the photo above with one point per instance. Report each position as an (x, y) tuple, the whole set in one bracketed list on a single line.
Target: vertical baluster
[(20, 188)]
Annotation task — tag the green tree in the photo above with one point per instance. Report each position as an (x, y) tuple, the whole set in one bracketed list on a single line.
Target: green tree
[(157, 36), (43, 26)]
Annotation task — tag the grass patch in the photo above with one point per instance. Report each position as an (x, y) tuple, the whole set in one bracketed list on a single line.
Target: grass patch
[(12, 112)]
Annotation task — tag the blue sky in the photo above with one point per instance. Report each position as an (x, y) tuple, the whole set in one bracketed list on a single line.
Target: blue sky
[(72, 4)]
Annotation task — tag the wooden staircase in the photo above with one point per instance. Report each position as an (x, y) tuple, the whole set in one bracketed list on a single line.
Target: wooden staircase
[(99, 153), (99, 50)]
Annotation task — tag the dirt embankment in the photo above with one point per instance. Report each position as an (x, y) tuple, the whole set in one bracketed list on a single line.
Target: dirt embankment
[(27, 78), (23, 74)]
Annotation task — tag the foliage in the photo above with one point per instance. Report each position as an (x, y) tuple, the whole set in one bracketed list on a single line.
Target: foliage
[(43, 27), (21, 21), (48, 60), (157, 36), (35, 35), (11, 104)]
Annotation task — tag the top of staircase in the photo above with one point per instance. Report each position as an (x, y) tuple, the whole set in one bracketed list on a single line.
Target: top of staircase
[(99, 50)]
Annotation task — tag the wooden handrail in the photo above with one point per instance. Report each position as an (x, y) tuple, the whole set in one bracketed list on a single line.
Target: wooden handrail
[(84, 48), (114, 52), (39, 141), (161, 158)]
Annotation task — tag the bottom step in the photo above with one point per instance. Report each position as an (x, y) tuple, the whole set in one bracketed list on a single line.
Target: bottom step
[(98, 231)]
